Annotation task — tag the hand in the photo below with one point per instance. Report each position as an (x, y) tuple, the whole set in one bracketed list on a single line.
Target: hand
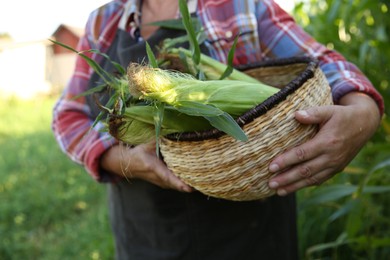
[(141, 162), (343, 131)]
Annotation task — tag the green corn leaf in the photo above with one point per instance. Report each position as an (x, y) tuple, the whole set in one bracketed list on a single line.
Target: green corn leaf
[(118, 67), (227, 124), (91, 91), (198, 109), (107, 77), (186, 18), (171, 43), (152, 59), (110, 103), (230, 68), (63, 45), (201, 37), (217, 118), (158, 119)]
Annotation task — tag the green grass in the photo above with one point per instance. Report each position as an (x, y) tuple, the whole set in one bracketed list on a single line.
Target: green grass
[(50, 208)]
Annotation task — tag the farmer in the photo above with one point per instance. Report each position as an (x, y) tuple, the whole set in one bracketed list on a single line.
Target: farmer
[(154, 215)]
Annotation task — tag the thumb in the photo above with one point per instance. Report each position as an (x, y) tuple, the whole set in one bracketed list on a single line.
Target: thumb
[(314, 115)]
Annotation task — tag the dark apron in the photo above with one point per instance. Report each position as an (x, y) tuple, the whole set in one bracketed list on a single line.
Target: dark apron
[(153, 223)]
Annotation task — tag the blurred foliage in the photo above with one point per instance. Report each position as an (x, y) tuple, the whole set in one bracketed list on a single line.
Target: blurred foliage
[(349, 216), (50, 208), (5, 36), (360, 30)]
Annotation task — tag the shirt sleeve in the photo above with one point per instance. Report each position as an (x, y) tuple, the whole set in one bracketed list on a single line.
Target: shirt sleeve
[(72, 121), (282, 37)]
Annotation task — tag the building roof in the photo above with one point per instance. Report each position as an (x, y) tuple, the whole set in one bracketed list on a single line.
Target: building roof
[(77, 31)]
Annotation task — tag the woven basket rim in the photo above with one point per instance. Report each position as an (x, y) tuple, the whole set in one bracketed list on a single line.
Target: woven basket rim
[(262, 108)]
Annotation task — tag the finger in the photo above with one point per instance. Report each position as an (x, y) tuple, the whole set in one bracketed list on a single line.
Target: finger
[(314, 115), (175, 182), (159, 174), (168, 179), (314, 180), (298, 172), (296, 155), (310, 149)]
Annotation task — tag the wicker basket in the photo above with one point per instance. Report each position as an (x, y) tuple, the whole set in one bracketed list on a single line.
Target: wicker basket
[(219, 166)]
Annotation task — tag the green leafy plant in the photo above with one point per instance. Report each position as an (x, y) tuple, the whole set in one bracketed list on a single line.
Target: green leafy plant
[(348, 217)]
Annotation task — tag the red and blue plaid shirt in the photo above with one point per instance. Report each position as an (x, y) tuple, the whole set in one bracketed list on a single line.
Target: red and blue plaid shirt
[(267, 32)]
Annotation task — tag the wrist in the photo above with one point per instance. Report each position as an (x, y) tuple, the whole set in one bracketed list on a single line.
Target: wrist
[(365, 107), (112, 160)]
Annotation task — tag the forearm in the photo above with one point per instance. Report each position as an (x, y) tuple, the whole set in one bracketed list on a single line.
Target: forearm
[(113, 160)]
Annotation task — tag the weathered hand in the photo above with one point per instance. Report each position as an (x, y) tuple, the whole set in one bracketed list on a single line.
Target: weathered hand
[(343, 131), (141, 162)]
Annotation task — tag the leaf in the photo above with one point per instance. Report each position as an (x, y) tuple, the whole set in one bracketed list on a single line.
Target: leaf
[(201, 37), (107, 78), (118, 67), (376, 189), (381, 165), (335, 192), (230, 68), (363, 50), (198, 109), (151, 57), (171, 43), (110, 103), (354, 220), (217, 118), (341, 240), (158, 119), (344, 210), (186, 19), (228, 125), (329, 193), (91, 91)]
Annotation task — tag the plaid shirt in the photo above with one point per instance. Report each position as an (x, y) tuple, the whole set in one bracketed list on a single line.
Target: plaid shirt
[(267, 32)]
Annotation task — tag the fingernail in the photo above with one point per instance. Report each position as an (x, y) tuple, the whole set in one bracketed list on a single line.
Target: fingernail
[(186, 189), (281, 192), (273, 184), (274, 167), (303, 113)]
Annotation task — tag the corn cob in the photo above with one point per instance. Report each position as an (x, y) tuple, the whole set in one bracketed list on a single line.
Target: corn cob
[(173, 88), (136, 124)]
